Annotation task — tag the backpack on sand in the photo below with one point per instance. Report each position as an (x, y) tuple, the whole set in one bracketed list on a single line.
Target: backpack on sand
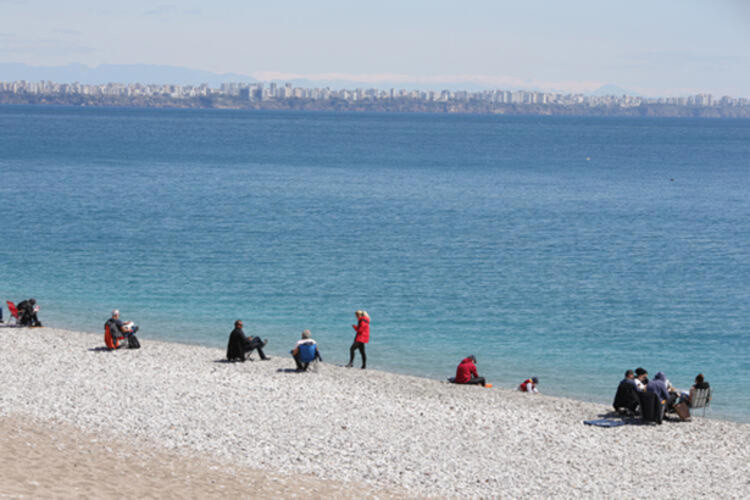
[(133, 342)]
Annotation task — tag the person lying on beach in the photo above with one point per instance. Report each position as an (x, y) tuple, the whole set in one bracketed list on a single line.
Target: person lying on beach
[(363, 336), (529, 385), (239, 344), (305, 351), (466, 373), (626, 397), (27, 310), (641, 378)]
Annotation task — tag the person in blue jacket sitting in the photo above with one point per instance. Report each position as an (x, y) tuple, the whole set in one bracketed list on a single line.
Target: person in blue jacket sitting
[(305, 351)]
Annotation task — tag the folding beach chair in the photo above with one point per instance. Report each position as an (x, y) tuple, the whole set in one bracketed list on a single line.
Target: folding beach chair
[(112, 338), (701, 399), (13, 313)]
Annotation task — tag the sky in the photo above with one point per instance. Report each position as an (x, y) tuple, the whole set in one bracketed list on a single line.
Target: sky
[(654, 47)]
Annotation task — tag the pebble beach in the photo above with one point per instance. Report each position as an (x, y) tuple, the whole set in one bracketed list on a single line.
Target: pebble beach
[(257, 428)]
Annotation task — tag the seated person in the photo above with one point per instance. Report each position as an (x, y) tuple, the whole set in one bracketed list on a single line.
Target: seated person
[(115, 330), (641, 379), (626, 397), (466, 373), (700, 383), (125, 328), (529, 385), (658, 386), (27, 310), (239, 344), (305, 351)]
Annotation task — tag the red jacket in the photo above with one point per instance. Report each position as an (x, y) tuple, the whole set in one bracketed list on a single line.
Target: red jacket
[(527, 385), (465, 370), (363, 330)]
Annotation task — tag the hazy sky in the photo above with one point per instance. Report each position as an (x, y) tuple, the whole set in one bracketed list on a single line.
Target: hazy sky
[(655, 47)]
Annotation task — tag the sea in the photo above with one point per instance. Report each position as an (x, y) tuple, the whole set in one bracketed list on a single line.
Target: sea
[(571, 249)]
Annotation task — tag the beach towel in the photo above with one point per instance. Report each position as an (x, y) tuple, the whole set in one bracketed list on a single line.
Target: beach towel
[(604, 422)]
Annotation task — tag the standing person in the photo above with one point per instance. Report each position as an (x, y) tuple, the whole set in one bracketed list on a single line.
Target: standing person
[(239, 344), (27, 310), (466, 373), (363, 336)]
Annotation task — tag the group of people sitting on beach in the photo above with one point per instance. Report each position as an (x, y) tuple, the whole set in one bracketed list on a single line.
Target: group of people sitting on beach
[(630, 398), (636, 394)]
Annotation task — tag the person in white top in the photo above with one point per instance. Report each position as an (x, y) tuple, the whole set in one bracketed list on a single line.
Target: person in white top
[(641, 379)]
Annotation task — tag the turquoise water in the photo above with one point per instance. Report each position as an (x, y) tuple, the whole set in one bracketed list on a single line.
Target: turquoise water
[(567, 248)]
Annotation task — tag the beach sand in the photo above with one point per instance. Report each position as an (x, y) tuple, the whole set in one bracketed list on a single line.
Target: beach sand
[(173, 420)]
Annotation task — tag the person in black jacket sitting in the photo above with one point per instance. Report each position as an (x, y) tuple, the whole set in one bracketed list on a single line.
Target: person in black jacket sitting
[(239, 344), (626, 397), (27, 313)]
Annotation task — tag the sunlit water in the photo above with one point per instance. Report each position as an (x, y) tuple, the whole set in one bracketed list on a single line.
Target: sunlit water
[(571, 249)]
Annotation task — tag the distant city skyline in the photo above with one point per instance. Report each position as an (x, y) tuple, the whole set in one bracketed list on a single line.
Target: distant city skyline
[(667, 48)]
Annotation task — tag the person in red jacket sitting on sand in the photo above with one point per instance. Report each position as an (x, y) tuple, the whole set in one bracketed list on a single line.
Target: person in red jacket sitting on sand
[(466, 373), (363, 336)]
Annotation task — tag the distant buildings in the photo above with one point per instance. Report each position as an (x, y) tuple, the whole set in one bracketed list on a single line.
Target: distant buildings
[(255, 94)]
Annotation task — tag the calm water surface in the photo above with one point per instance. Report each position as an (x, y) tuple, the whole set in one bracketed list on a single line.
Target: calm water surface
[(571, 249)]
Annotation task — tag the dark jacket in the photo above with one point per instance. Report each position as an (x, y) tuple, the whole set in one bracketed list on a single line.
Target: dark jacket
[(236, 346), (651, 408), (658, 386), (626, 395)]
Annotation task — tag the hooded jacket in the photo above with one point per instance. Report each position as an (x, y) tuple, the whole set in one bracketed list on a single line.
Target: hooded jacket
[(658, 386), (363, 330), (466, 369)]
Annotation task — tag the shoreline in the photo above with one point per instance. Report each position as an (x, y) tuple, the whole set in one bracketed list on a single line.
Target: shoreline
[(378, 429), (583, 398)]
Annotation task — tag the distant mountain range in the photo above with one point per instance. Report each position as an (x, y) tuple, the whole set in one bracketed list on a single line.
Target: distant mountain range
[(151, 73)]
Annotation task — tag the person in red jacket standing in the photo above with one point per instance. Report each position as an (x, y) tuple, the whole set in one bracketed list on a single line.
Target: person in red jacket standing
[(363, 336), (466, 373)]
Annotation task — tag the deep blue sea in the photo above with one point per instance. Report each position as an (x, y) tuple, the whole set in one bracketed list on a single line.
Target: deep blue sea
[(567, 248)]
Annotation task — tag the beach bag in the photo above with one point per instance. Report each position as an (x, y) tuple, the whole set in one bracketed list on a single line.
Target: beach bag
[(682, 410), (133, 342)]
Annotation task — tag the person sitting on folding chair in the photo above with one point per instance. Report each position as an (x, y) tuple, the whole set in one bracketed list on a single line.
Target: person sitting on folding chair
[(305, 351), (239, 344), (115, 330), (27, 310)]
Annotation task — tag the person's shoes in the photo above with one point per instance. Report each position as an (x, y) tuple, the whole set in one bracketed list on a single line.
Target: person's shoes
[(348, 366), (265, 359), (364, 367)]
